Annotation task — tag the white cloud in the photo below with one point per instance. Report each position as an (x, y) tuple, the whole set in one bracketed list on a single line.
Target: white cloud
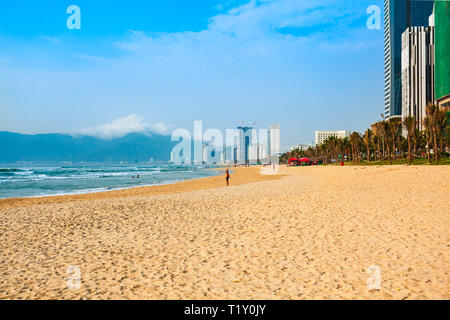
[(123, 126), (272, 14), (53, 40), (253, 29)]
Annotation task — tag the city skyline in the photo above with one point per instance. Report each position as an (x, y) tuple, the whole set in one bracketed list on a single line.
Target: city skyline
[(244, 145)]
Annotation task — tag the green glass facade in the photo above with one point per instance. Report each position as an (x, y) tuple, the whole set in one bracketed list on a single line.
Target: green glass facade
[(442, 48)]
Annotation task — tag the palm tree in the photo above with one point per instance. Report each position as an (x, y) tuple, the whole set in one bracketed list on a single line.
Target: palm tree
[(368, 142), (346, 146), (340, 148), (316, 148), (441, 123), (393, 128), (320, 153), (332, 143), (355, 140), (309, 152), (410, 124), (385, 129), (446, 133), (415, 139), (326, 151), (428, 135), (432, 115), (377, 139)]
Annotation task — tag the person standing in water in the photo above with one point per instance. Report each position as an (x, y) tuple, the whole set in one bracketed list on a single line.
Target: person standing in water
[(227, 176)]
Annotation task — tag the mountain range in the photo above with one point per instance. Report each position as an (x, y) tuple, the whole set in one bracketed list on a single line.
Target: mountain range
[(134, 147)]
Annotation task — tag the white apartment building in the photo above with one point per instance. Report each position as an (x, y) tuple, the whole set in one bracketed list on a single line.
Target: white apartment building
[(274, 140), (321, 136), (257, 153), (417, 72), (301, 147)]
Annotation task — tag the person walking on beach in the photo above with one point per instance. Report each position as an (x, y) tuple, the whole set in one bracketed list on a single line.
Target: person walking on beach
[(227, 176)]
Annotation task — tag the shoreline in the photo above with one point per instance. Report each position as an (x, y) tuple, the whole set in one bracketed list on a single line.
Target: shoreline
[(95, 190), (150, 190), (105, 189)]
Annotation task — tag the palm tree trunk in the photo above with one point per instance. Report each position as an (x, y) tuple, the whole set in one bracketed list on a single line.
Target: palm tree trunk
[(368, 154), (378, 150), (388, 152), (436, 153), (415, 148), (393, 147), (409, 149), (353, 153)]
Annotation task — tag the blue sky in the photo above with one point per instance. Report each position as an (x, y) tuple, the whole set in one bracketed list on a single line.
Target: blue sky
[(160, 65)]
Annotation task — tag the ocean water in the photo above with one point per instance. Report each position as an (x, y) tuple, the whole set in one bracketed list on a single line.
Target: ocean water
[(36, 181)]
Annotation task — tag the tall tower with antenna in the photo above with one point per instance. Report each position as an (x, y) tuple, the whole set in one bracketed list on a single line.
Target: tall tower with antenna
[(245, 140)]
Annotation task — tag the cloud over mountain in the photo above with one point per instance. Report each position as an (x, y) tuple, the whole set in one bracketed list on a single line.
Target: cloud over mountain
[(123, 126)]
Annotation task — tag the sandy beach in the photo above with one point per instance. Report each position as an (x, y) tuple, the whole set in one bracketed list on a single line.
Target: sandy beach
[(307, 233)]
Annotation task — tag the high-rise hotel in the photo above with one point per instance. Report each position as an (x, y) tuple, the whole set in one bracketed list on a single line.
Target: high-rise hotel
[(426, 65), (418, 71), (399, 15)]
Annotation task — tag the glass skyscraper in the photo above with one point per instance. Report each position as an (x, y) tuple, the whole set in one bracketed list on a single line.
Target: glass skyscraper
[(399, 15)]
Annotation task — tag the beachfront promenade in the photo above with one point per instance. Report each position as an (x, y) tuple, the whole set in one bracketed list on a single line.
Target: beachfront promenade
[(309, 233)]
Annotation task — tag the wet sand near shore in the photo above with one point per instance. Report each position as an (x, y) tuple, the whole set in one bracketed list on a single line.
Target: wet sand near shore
[(308, 233), (240, 175)]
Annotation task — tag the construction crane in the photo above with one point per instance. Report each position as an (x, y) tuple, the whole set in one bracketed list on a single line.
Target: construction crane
[(251, 124)]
